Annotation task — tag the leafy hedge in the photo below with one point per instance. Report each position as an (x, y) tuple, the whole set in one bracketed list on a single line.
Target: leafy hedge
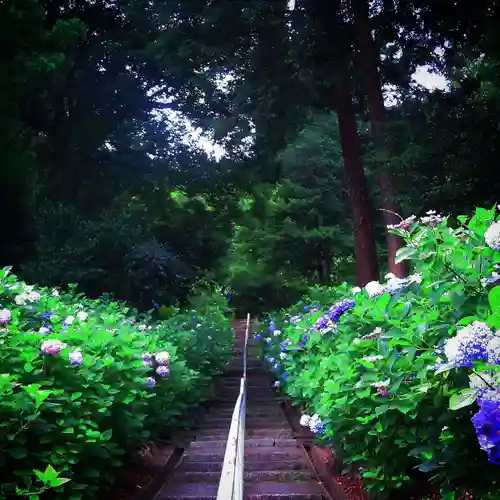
[(85, 383), (401, 379)]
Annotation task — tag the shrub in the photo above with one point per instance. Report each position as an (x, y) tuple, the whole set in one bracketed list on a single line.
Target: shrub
[(84, 383), (385, 370)]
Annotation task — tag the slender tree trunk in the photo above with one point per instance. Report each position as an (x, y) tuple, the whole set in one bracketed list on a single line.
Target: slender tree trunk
[(369, 64), (357, 187)]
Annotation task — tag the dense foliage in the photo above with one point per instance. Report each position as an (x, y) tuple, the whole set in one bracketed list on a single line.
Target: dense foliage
[(86, 383), (325, 138), (391, 372)]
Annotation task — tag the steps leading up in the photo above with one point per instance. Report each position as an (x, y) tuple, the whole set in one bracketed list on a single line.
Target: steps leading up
[(275, 466)]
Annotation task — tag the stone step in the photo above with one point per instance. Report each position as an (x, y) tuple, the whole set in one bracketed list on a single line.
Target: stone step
[(188, 491), (227, 408), (283, 491), (278, 476), (221, 434), (266, 442), (250, 466), (252, 455), (250, 423)]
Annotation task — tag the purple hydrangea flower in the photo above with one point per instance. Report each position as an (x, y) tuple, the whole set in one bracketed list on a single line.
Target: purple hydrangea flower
[(338, 309), (487, 424), (52, 347), (151, 382), (163, 371), (322, 322), (147, 356), (5, 316)]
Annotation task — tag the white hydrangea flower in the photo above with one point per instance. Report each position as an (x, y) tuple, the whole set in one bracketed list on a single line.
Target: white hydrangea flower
[(276, 333), (82, 315), (373, 335), (276, 384), (69, 320), (383, 384), (492, 236), (373, 359), (55, 292), (141, 328), (493, 350), (27, 296), (374, 289), (162, 358), (486, 386), (283, 355), (415, 278), (304, 420), (355, 290)]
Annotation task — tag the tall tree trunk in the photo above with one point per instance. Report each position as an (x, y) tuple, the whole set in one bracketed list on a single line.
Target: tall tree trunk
[(357, 187), (369, 64)]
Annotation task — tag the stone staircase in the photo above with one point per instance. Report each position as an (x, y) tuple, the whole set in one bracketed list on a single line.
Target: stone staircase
[(275, 466)]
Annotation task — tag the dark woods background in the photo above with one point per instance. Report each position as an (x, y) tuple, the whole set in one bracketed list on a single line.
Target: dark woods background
[(102, 185)]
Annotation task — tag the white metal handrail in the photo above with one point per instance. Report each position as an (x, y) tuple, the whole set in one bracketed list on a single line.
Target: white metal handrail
[(231, 481)]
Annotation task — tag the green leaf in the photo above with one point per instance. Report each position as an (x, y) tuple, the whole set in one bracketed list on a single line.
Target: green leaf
[(463, 398), (58, 481), (50, 474), (405, 253), (18, 453), (494, 299)]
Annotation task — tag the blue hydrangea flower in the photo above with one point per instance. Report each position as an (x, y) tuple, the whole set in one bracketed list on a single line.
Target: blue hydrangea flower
[(285, 375), (487, 425), (163, 371), (45, 316), (257, 337), (316, 425), (306, 308), (151, 382), (337, 310), (272, 325), (322, 322), (468, 345), (76, 357), (304, 340), (285, 345)]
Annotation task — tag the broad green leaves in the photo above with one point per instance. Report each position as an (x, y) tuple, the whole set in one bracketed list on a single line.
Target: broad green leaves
[(56, 413)]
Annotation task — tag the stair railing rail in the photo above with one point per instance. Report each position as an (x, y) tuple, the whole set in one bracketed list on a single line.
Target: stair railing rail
[(231, 480)]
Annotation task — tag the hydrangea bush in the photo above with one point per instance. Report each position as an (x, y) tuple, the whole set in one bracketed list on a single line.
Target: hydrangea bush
[(401, 378), (84, 383)]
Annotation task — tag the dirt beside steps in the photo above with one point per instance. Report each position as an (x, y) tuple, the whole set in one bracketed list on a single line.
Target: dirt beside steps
[(275, 466)]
